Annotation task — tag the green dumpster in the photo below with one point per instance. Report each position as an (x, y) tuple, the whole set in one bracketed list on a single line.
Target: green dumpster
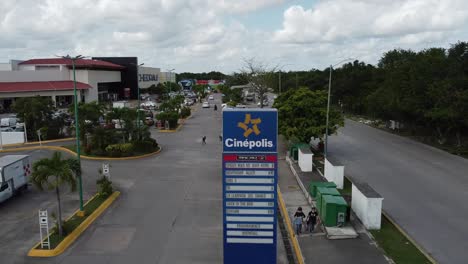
[(314, 185), (294, 150), (333, 211), (321, 191)]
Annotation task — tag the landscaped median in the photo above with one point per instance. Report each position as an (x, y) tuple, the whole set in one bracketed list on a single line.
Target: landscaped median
[(77, 225), (68, 150), (180, 123)]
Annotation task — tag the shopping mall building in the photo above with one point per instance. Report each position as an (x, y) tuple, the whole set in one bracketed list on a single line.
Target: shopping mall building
[(98, 79)]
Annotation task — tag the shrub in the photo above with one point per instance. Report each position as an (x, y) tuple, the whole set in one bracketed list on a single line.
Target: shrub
[(104, 187), (185, 112), (172, 117), (119, 150), (145, 146)]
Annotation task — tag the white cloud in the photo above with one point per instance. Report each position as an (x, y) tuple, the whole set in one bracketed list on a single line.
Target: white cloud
[(204, 35), (338, 20)]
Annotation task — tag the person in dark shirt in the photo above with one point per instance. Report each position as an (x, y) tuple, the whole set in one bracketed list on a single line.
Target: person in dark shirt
[(312, 219), (298, 219)]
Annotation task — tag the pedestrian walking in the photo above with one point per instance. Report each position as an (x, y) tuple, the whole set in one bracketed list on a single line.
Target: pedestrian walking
[(312, 219), (297, 224), (204, 140), (298, 219), (221, 138), (215, 108)]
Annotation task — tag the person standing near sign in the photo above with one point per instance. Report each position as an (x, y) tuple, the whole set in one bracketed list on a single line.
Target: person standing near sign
[(298, 219), (204, 140)]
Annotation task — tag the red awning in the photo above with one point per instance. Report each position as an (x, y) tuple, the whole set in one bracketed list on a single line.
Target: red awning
[(80, 63), (18, 87)]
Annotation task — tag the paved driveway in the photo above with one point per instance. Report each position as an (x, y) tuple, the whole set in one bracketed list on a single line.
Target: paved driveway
[(425, 190), (170, 209)]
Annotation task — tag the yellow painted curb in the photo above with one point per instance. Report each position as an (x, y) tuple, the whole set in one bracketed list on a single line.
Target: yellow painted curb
[(292, 235), (81, 156), (37, 142), (67, 241), (427, 255)]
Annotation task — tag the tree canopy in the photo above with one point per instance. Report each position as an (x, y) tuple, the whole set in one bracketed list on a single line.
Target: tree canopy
[(302, 115)]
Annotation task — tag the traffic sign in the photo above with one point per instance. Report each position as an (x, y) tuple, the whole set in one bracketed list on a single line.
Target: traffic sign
[(105, 170), (250, 176)]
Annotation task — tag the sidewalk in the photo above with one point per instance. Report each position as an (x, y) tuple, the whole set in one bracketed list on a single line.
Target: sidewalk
[(315, 247)]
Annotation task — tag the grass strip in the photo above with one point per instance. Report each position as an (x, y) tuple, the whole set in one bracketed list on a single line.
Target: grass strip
[(73, 222), (397, 246)]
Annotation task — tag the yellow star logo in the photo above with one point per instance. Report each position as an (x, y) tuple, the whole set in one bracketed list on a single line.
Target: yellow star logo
[(249, 121)]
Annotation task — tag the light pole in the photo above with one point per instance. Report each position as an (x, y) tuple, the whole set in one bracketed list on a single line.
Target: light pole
[(139, 103), (77, 130), (170, 78), (328, 108)]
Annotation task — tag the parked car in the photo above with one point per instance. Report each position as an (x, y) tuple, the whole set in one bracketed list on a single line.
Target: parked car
[(206, 105), (8, 122), (211, 97), (240, 106)]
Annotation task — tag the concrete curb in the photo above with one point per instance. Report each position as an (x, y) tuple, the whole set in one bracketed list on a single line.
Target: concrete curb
[(68, 240), (407, 236), (56, 148), (292, 235)]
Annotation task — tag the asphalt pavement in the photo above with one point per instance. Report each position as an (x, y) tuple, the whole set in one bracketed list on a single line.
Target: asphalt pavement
[(170, 209), (425, 189)]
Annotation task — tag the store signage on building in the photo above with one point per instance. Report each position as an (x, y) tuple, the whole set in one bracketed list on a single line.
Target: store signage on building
[(250, 176), (147, 77)]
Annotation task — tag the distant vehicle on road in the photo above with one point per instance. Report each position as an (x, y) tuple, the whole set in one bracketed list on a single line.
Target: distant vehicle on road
[(210, 97), (249, 97), (265, 102), (240, 106), (120, 104), (8, 122), (15, 170), (206, 105)]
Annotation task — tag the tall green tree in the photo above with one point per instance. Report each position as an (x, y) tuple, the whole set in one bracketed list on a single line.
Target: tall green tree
[(36, 112), (89, 115), (302, 115), (52, 173)]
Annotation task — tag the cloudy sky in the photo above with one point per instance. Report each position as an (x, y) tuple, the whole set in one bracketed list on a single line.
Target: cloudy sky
[(205, 35)]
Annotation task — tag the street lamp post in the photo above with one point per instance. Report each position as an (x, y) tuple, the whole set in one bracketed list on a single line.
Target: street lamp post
[(170, 79), (139, 103), (328, 108), (77, 130)]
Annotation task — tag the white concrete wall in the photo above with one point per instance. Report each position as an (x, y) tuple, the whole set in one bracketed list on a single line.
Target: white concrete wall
[(369, 210), (5, 66), (12, 137), (305, 161), (27, 67), (33, 76), (334, 174)]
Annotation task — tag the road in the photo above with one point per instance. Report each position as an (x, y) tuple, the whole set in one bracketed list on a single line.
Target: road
[(425, 189), (170, 209)]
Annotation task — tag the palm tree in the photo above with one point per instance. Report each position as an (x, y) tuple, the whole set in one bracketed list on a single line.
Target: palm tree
[(53, 173)]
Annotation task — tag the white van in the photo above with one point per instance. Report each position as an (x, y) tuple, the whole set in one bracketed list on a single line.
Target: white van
[(14, 172)]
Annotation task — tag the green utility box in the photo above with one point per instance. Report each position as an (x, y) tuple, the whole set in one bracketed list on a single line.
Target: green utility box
[(321, 191), (314, 185), (294, 150), (334, 210)]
